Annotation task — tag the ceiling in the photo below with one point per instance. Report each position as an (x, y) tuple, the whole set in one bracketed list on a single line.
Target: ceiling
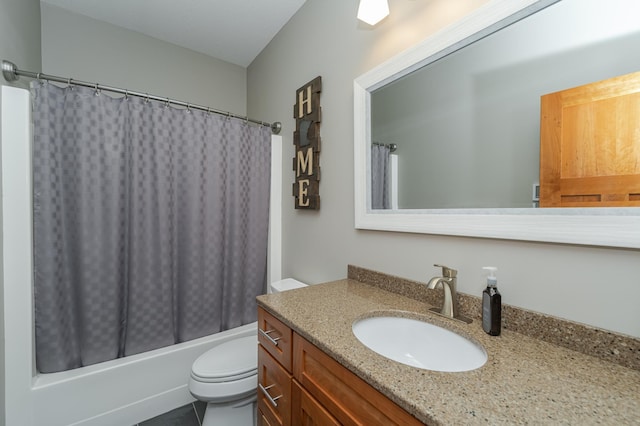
[(235, 31)]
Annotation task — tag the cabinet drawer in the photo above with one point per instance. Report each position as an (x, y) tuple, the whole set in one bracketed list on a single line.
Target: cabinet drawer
[(262, 419), (307, 411), (347, 397), (274, 390), (275, 337)]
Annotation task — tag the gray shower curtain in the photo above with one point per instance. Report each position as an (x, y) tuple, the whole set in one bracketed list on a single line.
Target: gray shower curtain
[(380, 177), (150, 224)]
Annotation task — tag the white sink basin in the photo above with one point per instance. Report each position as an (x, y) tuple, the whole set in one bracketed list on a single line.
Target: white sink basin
[(419, 344)]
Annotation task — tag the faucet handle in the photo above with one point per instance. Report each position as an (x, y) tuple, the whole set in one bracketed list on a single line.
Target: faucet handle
[(446, 271)]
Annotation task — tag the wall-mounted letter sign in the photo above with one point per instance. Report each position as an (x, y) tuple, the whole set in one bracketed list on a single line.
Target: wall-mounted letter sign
[(306, 139)]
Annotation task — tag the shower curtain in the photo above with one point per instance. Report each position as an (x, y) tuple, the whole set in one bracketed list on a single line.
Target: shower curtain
[(380, 177), (150, 224)]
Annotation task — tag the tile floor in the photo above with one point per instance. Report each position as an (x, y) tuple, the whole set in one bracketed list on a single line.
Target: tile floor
[(188, 415)]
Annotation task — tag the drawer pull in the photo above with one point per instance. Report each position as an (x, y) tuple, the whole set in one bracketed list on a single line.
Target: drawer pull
[(265, 391), (271, 339)]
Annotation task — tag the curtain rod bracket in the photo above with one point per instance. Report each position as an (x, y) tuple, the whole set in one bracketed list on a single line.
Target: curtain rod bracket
[(276, 127), (9, 70)]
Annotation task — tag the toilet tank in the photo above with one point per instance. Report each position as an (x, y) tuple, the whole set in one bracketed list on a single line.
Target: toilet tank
[(285, 284)]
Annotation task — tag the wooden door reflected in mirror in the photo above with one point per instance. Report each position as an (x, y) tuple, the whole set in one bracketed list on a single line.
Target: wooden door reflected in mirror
[(590, 145)]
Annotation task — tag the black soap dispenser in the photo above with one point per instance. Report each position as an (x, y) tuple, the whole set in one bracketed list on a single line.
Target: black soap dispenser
[(491, 304)]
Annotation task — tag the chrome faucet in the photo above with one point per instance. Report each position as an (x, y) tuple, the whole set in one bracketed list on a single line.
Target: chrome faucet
[(450, 307)]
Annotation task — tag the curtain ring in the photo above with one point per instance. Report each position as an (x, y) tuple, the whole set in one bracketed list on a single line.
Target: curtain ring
[(38, 77), (146, 100), (126, 95), (97, 91), (166, 105), (189, 108), (69, 85)]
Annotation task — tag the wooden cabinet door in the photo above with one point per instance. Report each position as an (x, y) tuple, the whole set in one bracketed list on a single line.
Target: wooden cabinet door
[(347, 397), (306, 411), (590, 145)]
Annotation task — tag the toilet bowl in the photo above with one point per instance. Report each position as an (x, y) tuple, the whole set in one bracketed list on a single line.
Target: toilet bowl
[(226, 376)]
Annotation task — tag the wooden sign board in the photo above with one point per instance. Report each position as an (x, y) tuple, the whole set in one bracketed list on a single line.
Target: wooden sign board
[(306, 139)]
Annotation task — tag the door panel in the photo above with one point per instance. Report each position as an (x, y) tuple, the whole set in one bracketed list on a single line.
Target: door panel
[(590, 145)]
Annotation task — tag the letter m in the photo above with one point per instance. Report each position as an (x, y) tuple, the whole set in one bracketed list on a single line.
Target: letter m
[(304, 162)]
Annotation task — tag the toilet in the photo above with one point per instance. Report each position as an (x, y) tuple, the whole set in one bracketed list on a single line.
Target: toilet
[(226, 376)]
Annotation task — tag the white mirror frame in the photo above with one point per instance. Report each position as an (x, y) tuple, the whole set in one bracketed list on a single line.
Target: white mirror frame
[(613, 227)]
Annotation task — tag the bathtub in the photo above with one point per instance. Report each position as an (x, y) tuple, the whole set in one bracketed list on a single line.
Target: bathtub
[(126, 390)]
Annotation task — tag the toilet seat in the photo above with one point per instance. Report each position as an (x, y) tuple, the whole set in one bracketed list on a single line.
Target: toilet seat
[(230, 361), (227, 372)]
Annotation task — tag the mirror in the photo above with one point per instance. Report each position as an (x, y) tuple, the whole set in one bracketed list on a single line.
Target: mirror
[(468, 125), (485, 210)]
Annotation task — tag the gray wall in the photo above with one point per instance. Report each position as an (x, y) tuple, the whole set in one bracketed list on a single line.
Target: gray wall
[(86, 49), (19, 43), (597, 286), (20, 35)]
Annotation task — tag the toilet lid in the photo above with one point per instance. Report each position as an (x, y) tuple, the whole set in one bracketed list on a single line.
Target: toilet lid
[(229, 361)]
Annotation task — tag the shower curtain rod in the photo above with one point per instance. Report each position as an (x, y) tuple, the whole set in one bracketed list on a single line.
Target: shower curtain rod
[(11, 73), (392, 146)]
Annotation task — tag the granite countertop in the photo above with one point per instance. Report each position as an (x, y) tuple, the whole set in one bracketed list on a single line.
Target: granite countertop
[(525, 380)]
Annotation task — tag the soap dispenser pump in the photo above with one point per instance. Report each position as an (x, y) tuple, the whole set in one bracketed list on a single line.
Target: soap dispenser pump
[(491, 304)]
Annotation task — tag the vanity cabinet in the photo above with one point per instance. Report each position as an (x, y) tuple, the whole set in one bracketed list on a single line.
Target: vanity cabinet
[(308, 387)]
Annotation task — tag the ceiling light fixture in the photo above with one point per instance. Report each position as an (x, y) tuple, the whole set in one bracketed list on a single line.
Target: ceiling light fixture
[(373, 11)]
